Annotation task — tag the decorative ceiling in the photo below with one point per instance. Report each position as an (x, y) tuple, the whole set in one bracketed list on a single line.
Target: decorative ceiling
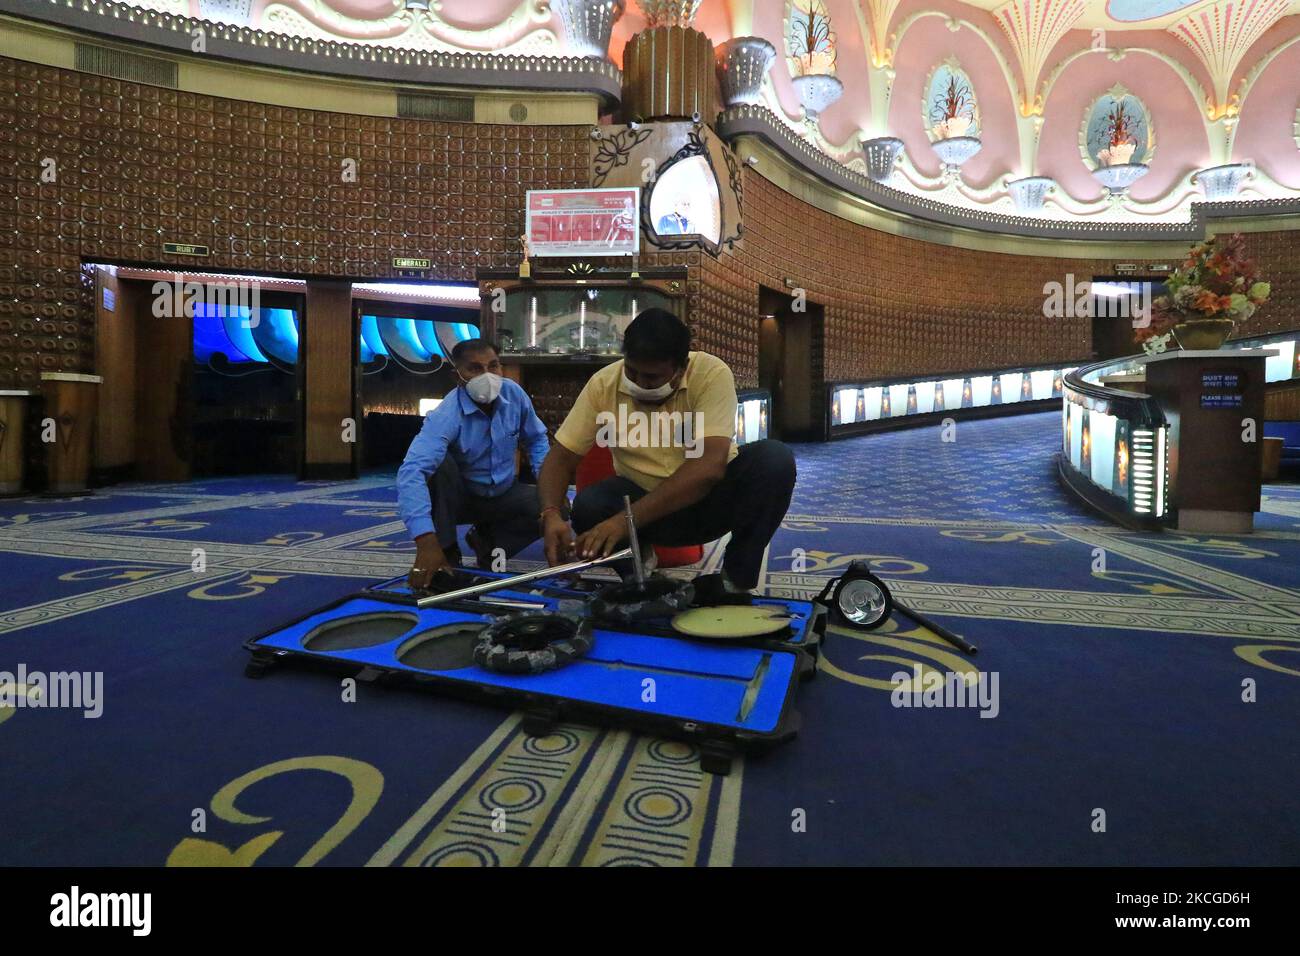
[(1134, 14), (1022, 121)]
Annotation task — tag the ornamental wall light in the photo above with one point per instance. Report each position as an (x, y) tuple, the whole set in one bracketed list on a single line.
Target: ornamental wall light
[(743, 63), (882, 154), (1219, 183), (817, 91), (588, 24), (811, 50), (1120, 176), (1030, 192), (237, 12)]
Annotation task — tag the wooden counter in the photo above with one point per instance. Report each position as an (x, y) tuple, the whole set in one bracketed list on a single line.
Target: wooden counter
[(1211, 399), (70, 400)]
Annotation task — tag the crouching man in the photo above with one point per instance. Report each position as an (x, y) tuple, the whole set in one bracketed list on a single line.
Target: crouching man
[(461, 468), (669, 417)]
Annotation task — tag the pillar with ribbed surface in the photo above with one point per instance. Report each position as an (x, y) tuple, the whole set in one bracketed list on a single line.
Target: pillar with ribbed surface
[(669, 73)]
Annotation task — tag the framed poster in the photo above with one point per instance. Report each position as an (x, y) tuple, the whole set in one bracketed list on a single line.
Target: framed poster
[(583, 222)]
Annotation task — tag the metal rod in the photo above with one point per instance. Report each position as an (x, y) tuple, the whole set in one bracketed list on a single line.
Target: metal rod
[(638, 566), (956, 640), (487, 587)]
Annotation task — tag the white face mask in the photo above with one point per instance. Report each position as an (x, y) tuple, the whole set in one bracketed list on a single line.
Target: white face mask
[(647, 394), (484, 388)]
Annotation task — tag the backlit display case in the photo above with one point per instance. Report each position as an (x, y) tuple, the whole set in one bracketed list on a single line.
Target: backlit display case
[(753, 414), (573, 313), (857, 407), (1115, 444)]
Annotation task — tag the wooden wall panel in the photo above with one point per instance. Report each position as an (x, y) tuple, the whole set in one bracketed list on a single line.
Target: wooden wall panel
[(115, 351), (454, 192), (328, 353), (1282, 403), (164, 378)]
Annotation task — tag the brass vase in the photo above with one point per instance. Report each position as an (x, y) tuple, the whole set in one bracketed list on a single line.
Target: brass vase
[(1203, 334)]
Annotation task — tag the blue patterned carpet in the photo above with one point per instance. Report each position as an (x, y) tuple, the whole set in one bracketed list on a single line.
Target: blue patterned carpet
[(1122, 662)]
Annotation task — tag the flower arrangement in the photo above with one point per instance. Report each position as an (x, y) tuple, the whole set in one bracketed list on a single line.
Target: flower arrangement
[(1122, 142), (1215, 283)]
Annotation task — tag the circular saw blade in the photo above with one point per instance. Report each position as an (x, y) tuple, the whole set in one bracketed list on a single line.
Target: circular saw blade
[(731, 622)]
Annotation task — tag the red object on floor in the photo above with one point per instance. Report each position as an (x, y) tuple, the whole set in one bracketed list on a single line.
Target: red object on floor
[(597, 465)]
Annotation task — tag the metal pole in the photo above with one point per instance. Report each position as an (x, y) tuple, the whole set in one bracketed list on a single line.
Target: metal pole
[(638, 566), (956, 640), (487, 587)]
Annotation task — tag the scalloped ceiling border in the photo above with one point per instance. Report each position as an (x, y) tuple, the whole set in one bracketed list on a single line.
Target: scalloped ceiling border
[(762, 123), (242, 44)]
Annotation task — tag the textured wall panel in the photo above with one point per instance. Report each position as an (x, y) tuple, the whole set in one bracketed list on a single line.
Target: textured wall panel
[(262, 186)]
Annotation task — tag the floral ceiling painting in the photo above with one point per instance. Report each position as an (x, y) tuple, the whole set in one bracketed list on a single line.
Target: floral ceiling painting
[(1117, 130), (950, 105), (810, 41)]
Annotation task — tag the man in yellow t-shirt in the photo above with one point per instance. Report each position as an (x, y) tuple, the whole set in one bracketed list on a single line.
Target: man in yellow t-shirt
[(668, 417)]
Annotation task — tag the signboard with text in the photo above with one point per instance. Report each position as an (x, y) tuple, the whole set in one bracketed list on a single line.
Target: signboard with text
[(1221, 390), (583, 222), (184, 249)]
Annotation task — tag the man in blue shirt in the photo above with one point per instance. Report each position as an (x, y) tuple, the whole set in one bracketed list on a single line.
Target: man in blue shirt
[(461, 468)]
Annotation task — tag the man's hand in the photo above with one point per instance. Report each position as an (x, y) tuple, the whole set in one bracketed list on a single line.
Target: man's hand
[(602, 540), (557, 539), (429, 557)]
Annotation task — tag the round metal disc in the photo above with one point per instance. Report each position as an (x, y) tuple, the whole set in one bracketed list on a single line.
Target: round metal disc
[(732, 622)]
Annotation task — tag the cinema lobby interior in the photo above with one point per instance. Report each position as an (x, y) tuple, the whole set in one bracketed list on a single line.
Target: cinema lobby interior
[(686, 433)]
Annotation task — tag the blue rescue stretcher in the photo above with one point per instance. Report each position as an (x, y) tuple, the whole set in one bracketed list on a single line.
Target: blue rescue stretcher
[(723, 696)]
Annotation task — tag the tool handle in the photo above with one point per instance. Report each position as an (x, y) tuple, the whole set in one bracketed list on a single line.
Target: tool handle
[(956, 640), (488, 587), (638, 568)]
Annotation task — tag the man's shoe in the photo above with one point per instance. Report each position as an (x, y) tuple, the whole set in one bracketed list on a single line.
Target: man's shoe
[(715, 590)]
